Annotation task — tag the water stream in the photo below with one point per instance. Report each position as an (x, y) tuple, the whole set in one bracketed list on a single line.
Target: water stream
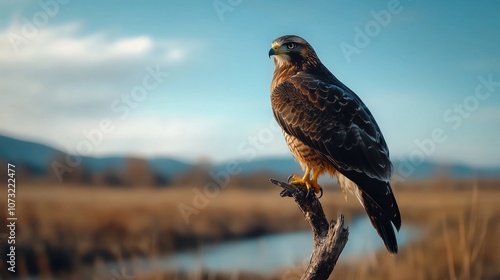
[(269, 253)]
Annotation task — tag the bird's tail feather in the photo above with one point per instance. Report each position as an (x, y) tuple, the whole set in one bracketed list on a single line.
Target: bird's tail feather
[(381, 223)]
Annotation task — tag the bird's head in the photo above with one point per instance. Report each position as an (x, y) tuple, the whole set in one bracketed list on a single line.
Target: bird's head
[(292, 50)]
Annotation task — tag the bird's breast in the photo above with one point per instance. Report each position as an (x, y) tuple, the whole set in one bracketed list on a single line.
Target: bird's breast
[(305, 155)]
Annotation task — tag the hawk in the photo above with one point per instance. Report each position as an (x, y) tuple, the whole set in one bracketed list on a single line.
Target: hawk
[(330, 130)]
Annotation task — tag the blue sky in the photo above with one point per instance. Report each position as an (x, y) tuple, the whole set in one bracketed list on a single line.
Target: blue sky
[(424, 68)]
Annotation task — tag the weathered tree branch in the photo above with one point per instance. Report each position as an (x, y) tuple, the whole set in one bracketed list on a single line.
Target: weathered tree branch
[(329, 238)]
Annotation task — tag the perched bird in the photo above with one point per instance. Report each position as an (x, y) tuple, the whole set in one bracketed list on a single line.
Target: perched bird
[(330, 130)]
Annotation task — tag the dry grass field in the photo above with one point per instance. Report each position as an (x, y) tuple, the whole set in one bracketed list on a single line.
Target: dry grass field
[(69, 232)]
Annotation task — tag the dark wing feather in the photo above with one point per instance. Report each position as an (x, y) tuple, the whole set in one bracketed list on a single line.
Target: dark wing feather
[(334, 121), (329, 117), (381, 223)]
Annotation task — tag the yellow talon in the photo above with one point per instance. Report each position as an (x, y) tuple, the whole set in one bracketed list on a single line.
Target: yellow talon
[(306, 181)]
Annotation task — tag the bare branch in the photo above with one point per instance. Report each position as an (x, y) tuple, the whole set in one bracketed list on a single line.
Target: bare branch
[(329, 237)]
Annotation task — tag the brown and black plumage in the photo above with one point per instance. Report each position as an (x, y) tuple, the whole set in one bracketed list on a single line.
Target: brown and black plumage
[(330, 130)]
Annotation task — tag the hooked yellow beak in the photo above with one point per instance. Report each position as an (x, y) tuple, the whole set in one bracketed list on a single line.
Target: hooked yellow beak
[(275, 50)]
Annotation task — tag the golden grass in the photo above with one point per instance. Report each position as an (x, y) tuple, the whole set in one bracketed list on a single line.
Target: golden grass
[(461, 240), (87, 226)]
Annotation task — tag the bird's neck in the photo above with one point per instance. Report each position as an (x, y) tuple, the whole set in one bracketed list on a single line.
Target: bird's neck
[(284, 72)]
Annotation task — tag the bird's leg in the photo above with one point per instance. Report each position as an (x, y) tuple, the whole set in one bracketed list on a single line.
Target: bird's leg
[(307, 181), (297, 180), (314, 182)]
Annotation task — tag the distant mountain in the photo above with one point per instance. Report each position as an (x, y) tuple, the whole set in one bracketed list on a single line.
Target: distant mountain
[(33, 156), (38, 157), (287, 166), (428, 169), (168, 166), (461, 170), (278, 166)]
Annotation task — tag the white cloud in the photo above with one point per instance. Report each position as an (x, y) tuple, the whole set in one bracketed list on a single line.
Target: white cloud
[(137, 45), (62, 81), (57, 59), (66, 42)]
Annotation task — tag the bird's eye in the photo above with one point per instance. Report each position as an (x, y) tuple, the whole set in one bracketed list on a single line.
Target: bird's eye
[(290, 46)]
